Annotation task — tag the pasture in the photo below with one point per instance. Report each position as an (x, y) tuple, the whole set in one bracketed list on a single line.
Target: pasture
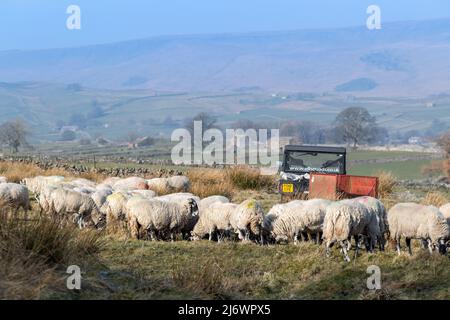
[(115, 266)]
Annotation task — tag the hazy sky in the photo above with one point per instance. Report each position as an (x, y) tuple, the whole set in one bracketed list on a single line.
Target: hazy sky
[(26, 24)]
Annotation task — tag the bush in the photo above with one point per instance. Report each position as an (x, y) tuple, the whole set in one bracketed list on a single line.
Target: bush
[(386, 183)]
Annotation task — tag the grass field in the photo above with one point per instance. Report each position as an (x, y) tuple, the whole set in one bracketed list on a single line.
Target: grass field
[(203, 270), (35, 255)]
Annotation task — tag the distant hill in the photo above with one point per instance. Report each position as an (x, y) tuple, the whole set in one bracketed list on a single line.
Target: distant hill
[(401, 59)]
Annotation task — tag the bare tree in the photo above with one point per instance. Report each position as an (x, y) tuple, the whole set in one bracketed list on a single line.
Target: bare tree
[(444, 142), (13, 134), (208, 122), (131, 137), (355, 125)]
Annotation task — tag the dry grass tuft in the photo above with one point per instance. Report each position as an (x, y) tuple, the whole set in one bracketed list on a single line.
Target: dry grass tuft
[(17, 171), (32, 251), (226, 182), (208, 182), (435, 198), (386, 183), (244, 177)]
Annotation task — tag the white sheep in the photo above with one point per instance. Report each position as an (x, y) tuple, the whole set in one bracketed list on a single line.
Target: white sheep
[(158, 184), (177, 197), (247, 220), (83, 183), (14, 196), (100, 196), (159, 217), (80, 206), (346, 219), (417, 221), (37, 184), (214, 218), (377, 208), (445, 210), (179, 183), (131, 183), (110, 181), (147, 194), (115, 207), (285, 222), (206, 202), (44, 199)]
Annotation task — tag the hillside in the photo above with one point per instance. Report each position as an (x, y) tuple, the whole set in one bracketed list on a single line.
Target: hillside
[(113, 113), (402, 59)]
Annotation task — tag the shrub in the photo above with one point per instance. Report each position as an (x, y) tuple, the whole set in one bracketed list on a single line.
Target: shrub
[(386, 183)]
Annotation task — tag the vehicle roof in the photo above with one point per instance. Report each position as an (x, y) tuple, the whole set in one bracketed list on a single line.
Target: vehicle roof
[(305, 148)]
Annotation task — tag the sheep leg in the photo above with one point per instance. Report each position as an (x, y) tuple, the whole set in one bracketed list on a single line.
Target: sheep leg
[(329, 244), (382, 241), (134, 228), (344, 245), (319, 238), (356, 237), (430, 246), (408, 243), (424, 244), (397, 244), (210, 235)]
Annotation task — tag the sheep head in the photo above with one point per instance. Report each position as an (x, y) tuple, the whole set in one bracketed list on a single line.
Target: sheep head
[(193, 207)]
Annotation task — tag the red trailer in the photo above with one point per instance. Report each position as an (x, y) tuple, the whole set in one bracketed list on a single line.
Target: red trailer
[(334, 186)]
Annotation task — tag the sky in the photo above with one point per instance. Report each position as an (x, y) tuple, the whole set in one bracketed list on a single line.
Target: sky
[(41, 24)]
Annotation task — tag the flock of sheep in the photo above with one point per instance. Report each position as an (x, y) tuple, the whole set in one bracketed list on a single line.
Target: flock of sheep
[(134, 201)]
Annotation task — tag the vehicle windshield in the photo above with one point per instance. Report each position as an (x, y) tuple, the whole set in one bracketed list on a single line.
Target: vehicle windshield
[(305, 162)]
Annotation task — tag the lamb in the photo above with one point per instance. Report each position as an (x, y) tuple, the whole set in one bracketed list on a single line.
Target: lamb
[(214, 218), (247, 220), (82, 208), (377, 208), (344, 219), (14, 196), (131, 183), (179, 183), (416, 221), (159, 217)]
